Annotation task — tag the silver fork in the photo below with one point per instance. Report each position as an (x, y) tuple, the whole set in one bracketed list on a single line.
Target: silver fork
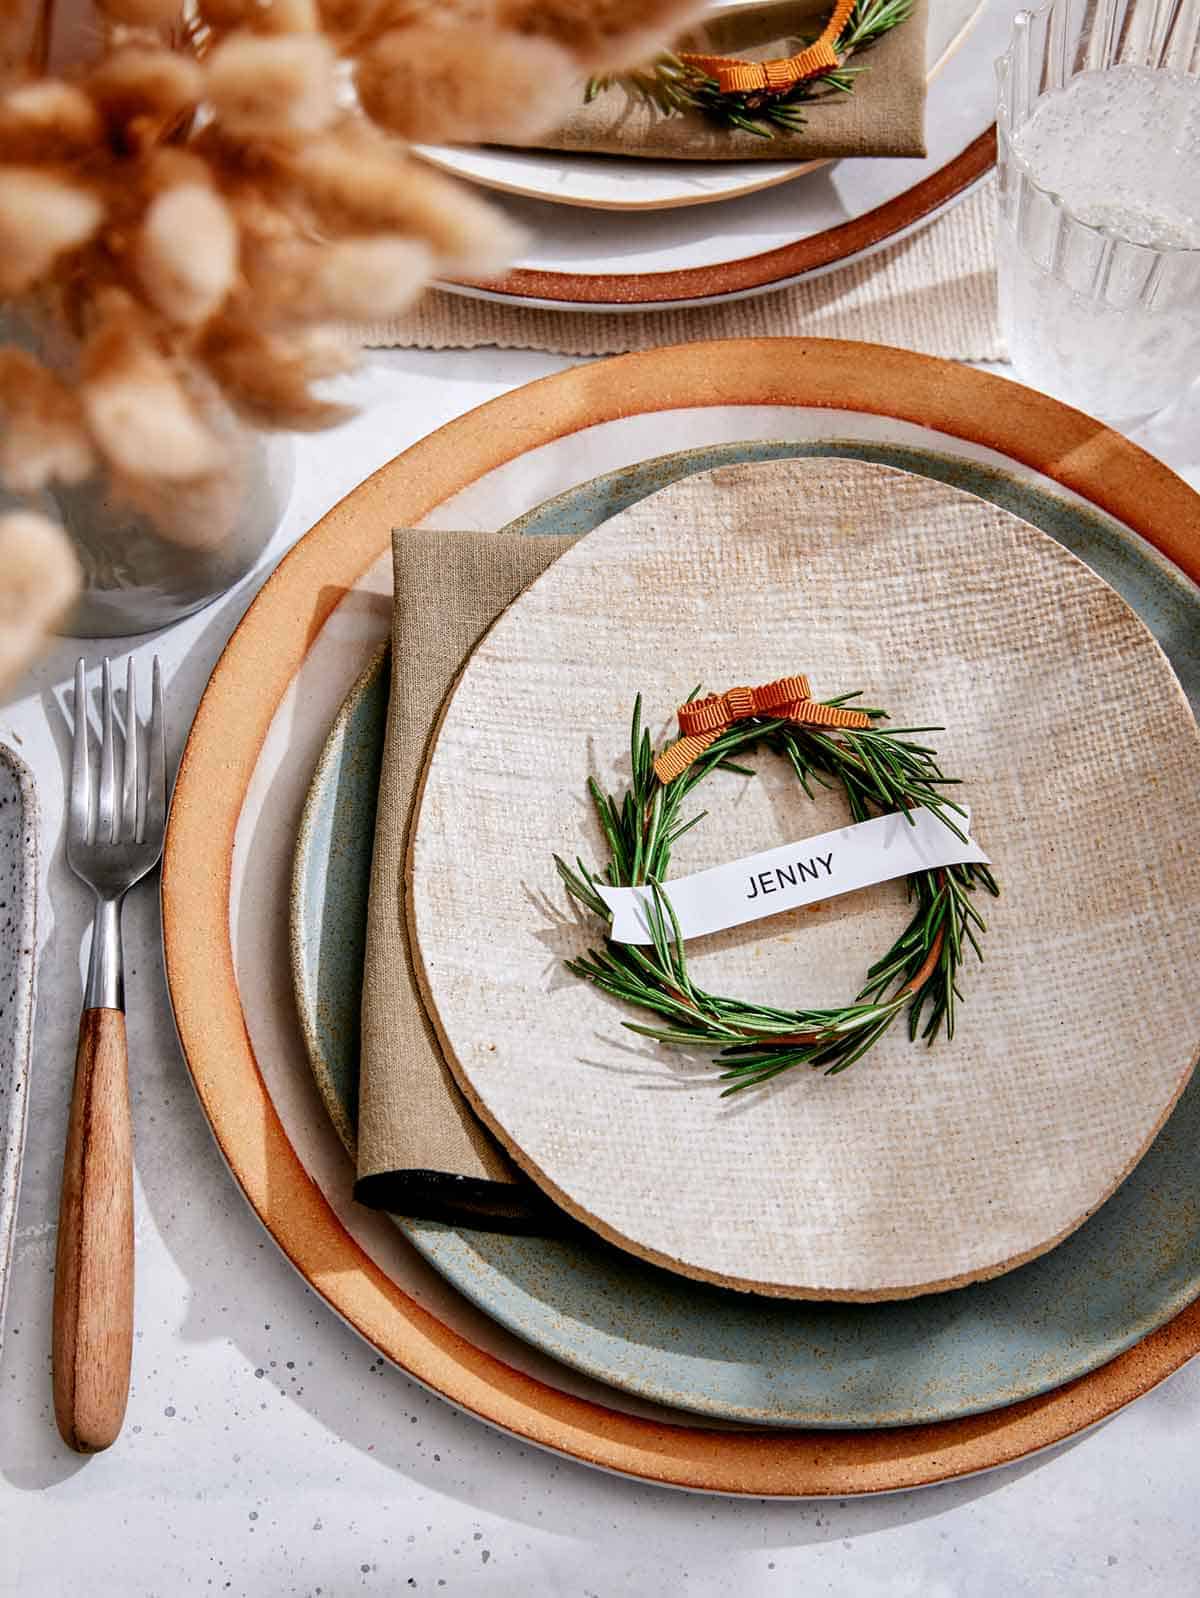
[(112, 842)]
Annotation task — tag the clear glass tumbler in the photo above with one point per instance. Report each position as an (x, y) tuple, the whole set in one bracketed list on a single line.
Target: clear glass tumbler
[(1098, 244)]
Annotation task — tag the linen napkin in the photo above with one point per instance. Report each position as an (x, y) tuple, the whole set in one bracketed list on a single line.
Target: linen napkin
[(885, 114), (421, 1150)]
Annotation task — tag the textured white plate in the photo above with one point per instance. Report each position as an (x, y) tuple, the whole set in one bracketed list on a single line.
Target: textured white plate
[(920, 1168)]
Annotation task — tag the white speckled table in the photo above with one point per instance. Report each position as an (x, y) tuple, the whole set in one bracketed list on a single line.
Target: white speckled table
[(267, 1451)]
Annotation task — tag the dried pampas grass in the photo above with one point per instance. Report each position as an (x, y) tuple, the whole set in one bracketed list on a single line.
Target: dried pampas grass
[(355, 280), (273, 87), (198, 213), (437, 84), (187, 253), (286, 16), (39, 582), (48, 121), (42, 217), (143, 92), (602, 35), (137, 409), (43, 437), (270, 375), (353, 182), (141, 13)]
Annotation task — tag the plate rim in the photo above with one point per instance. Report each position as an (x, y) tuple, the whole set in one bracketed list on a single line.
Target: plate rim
[(298, 897), (433, 155), (687, 286), (219, 758)]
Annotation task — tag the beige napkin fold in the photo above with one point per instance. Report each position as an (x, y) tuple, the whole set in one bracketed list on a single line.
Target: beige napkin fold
[(421, 1152), (885, 115)]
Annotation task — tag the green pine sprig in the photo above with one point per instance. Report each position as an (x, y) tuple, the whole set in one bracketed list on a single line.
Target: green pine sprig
[(880, 771), (676, 86)]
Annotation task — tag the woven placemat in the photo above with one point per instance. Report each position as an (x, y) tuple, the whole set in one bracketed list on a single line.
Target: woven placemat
[(934, 292), (918, 1169)]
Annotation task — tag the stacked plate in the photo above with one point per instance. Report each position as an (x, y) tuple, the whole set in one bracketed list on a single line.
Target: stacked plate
[(581, 1346), (617, 234)]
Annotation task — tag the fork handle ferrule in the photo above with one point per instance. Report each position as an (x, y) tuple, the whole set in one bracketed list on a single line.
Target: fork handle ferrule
[(105, 988)]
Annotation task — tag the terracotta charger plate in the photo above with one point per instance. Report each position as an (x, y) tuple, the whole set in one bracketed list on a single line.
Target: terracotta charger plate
[(257, 1093)]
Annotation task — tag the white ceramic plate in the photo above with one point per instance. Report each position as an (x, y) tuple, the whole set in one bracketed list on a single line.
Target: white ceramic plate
[(615, 183), (607, 260)]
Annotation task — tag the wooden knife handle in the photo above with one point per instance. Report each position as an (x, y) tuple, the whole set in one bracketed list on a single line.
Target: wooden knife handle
[(93, 1271)]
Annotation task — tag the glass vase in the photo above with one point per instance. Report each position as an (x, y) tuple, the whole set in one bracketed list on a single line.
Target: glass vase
[(153, 552)]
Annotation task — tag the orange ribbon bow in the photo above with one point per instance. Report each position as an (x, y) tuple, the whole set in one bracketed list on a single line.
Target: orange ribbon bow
[(737, 76), (702, 721)]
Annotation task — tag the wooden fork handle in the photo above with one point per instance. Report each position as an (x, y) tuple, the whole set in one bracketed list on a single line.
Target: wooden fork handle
[(93, 1272)]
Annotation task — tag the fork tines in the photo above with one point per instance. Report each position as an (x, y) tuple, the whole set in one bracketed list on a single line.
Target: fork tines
[(95, 818)]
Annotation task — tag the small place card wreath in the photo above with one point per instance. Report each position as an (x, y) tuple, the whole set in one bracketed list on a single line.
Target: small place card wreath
[(881, 772), (761, 96)]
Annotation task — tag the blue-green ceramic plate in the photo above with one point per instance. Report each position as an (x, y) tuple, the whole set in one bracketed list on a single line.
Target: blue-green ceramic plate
[(1131, 1268)]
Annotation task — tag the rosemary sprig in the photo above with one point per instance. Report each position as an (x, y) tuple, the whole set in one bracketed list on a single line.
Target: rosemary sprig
[(880, 770), (676, 86)]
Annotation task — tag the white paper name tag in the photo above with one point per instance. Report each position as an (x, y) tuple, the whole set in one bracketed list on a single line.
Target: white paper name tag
[(796, 874)]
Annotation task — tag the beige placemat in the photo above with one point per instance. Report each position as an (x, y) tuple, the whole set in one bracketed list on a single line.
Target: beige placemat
[(884, 116), (918, 1168), (421, 1151), (934, 292)]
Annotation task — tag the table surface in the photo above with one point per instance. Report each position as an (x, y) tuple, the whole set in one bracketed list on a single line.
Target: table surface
[(268, 1451)]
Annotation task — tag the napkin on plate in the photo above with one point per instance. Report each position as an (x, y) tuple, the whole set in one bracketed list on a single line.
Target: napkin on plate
[(421, 1151), (885, 115)]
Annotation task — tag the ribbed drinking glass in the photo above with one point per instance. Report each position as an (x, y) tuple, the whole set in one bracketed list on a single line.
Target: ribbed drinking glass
[(1098, 119)]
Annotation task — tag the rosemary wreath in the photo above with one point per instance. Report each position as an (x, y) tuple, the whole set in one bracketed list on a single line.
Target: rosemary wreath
[(675, 85), (880, 771)]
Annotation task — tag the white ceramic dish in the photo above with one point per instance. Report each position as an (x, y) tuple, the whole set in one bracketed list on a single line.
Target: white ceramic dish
[(613, 183), (613, 261)]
